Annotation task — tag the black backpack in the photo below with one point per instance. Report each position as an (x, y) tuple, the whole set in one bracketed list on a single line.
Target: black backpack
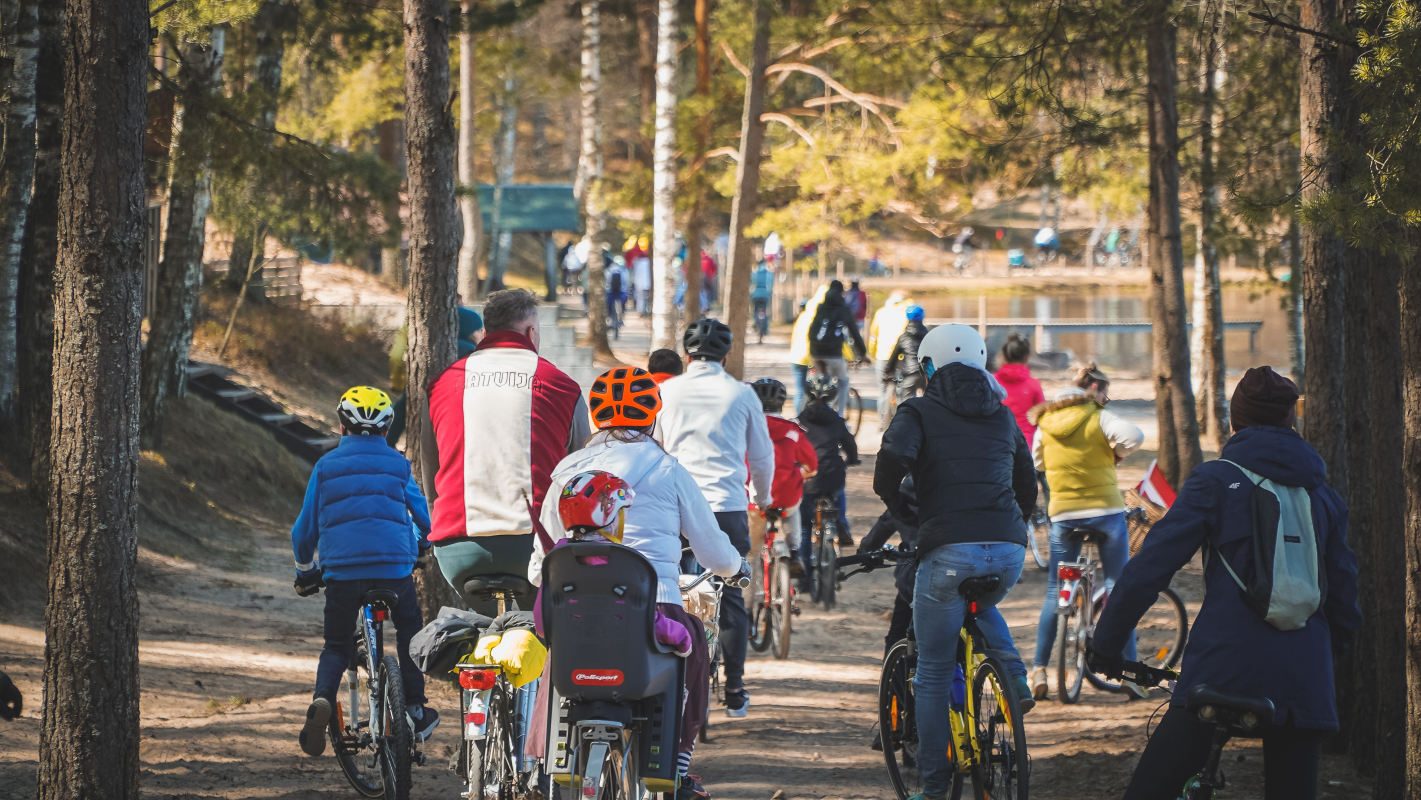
[(614, 286)]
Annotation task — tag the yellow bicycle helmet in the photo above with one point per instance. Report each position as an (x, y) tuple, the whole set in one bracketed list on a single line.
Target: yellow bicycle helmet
[(365, 411)]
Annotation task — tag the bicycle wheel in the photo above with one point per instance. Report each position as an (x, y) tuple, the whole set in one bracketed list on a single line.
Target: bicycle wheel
[(781, 607), (393, 747), (1003, 771), (1070, 644), (829, 563), (897, 725), (499, 774), (1159, 637), (366, 781), (853, 412), (761, 623), (1039, 532)]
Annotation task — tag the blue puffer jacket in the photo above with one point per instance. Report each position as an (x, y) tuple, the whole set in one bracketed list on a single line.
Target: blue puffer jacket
[(361, 508), (1230, 646)]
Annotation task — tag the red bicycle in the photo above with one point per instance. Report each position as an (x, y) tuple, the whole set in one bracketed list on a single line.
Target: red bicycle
[(772, 603)]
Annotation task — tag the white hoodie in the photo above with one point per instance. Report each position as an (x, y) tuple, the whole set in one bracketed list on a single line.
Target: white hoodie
[(713, 424), (667, 505)]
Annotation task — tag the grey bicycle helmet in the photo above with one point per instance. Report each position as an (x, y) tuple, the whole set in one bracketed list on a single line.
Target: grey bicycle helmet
[(771, 392), (709, 339), (822, 387)]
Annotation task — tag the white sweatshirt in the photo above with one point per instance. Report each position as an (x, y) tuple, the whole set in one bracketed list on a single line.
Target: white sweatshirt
[(666, 506), (713, 424)]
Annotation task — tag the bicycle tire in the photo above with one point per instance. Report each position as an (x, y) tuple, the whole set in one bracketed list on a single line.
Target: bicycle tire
[(817, 534), (829, 563), (781, 608), (347, 758), (853, 412), (1070, 663), (1159, 638), (1003, 771), (474, 767), (498, 769), (1039, 532), (761, 637), (394, 751), (897, 725)]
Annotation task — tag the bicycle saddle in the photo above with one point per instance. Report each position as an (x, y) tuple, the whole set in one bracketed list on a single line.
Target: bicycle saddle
[(1085, 535), (976, 588), (1244, 713), (487, 585), (381, 598)]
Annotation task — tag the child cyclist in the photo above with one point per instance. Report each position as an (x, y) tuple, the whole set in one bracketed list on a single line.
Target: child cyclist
[(625, 403), (361, 510), (828, 433), (795, 460)]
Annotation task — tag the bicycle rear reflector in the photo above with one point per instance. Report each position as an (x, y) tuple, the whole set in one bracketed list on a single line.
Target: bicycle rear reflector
[(475, 718), (1071, 573), (477, 679), (381, 615)]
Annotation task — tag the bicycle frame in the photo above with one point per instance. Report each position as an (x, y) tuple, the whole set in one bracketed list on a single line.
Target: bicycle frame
[(964, 722), (371, 620)]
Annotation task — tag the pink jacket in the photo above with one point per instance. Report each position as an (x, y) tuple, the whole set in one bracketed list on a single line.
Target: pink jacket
[(1023, 392)]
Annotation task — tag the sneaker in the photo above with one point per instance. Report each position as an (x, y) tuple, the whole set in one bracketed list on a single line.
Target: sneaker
[(1038, 683), (737, 704), (425, 723), (691, 789), (313, 733), (1023, 695), (1133, 692)]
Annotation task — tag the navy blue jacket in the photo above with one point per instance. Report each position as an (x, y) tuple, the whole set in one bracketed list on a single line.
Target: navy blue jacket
[(361, 508), (827, 433), (1230, 646), (970, 463)]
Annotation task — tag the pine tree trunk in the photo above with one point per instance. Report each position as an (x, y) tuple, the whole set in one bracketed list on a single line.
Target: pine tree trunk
[(1166, 251), (1410, 370), (663, 192), (434, 234), (1213, 411), (743, 206), (589, 175), (468, 177), (38, 255), (89, 736), (646, 73), (179, 277), (697, 181), (266, 84), (391, 147), (16, 178)]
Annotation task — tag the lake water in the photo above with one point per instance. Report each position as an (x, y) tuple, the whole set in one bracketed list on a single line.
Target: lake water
[(1125, 352)]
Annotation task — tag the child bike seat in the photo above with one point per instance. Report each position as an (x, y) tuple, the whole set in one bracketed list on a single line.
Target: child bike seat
[(976, 588), (486, 586), (1243, 714), (380, 598), (1085, 535)]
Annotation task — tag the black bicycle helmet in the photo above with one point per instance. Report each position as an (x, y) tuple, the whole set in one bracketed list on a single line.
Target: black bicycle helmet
[(708, 339), (822, 387), (771, 392)]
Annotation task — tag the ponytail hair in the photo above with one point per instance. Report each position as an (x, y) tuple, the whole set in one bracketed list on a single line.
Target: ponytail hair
[(1085, 374)]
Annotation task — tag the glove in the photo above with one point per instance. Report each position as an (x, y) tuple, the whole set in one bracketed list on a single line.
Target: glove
[(426, 555), (742, 576), (309, 582), (11, 701), (521, 655), (1109, 666), (483, 652)]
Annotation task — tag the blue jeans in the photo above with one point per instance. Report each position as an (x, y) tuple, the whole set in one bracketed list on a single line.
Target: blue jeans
[(1113, 553), (938, 611), (806, 522), (801, 384), (342, 605)]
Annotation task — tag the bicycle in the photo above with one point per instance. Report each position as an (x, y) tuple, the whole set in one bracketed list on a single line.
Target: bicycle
[(772, 603), (1038, 534), (762, 319), (375, 746), (824, 552), (703, 602), (853, 406), (1162, 631), (988, 736)]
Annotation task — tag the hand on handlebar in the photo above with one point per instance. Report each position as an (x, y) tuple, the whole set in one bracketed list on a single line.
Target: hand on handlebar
[(309, 582), (741, 578), (1109, 666)]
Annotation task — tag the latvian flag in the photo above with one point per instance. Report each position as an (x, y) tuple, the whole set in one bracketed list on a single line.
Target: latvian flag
[(1155, 488)]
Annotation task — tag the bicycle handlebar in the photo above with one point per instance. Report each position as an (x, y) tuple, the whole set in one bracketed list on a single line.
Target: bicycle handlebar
[(1145, 676), (875, 559)]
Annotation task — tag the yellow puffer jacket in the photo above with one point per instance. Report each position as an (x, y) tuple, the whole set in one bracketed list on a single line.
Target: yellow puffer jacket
[(1079, 460), (799, 340)]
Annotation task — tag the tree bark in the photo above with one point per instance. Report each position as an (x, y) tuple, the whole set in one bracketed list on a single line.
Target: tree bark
[(646, 22), (747, 186), (179, 289), (1411, 476), (1166, 251), (468, 178), (589, 175), (434, 234), (504, 165), (89, 736), (663, 192), (39, 253), (266, 84), (391, 140), (697, 179), (16, 178), (1209, 319), (1295, 302)]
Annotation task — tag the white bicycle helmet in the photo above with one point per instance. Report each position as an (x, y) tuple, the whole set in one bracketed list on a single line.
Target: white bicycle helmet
[(953, 342)]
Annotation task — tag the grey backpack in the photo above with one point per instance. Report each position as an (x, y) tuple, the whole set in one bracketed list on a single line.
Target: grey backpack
[(1284, 580)]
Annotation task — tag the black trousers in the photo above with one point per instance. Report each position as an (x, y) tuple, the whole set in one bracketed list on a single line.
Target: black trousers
[(734, 619), (1181, 743)]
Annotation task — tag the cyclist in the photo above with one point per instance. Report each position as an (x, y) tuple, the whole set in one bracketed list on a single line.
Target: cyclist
[(1230, 646), (361, 509), (762, 287), (1023, 391), (664, 365), (975, 489), (625, 405), (521, 415), (833, 325), (903, 574), (828, 433), (857, 301), (795, 460), (799, 359), (713, 424), (887, 324), (1078, 443), (903, 358)]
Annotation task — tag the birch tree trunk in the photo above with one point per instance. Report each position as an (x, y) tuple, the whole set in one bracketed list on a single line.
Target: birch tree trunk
[(38, 255), (1209, 313), (589, 176), (179, 277), (503, 176), (16, 179), (89, 736), (747, 187), (434, 234), (663, 185), (468, 178), (1295, 303), (697, 180), (1166, 251), (266, 82), (646, 22)]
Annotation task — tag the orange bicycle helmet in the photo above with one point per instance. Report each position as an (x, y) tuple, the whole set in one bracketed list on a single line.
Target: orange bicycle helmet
[(625, 397)]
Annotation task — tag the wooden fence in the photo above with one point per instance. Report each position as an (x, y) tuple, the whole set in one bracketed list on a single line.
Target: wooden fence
[(279, 278)]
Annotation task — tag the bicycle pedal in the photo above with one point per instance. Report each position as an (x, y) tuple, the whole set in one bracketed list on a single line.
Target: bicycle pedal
[(794, 612)]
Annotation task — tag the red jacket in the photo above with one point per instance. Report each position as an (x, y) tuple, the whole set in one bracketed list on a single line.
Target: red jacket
[(1023, 392), (792, 451), (520, 416)]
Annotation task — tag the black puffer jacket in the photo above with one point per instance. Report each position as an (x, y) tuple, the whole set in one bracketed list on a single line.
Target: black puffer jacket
[(904, 357), (827, 432), (833, 323), (971, 464)]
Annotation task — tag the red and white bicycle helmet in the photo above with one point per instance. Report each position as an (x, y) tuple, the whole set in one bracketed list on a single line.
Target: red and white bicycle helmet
[(595, 502)]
